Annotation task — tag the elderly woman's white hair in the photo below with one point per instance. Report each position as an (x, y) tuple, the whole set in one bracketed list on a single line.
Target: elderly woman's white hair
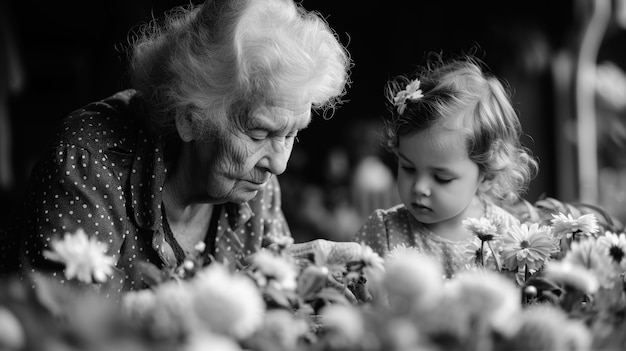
[(229, 56)]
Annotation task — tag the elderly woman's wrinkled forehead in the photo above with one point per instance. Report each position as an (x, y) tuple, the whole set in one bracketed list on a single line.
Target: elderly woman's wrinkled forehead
[(281, 114)]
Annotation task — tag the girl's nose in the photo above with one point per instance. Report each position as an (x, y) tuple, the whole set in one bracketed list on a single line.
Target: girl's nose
[(421, 187)]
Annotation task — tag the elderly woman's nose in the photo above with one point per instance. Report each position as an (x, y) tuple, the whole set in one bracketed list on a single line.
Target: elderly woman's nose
[(276, 158)]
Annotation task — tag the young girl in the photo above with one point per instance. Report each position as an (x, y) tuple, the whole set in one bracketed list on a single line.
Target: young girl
[(456, 138)]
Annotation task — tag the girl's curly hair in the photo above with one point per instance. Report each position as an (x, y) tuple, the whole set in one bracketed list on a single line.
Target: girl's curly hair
[(461, 88)]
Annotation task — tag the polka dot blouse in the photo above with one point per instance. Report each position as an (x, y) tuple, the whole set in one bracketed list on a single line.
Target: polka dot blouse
[(105, 174), (384, 230)]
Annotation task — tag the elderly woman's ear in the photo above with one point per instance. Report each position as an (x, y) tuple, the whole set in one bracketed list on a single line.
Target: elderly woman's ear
[(184, 125)]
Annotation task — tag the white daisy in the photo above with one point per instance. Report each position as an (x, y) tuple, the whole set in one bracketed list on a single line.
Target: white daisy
[(615, 247), (482, 228), (566, 225), (84, 257)]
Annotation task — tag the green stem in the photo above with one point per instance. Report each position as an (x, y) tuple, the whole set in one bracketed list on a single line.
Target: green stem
[(482, 253), (526, 273), (495, 257)]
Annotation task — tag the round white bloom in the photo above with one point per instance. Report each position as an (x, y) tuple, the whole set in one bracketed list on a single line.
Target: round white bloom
[(138, 304), (12, 335), (413, 281), (226, 303), (209, 341), (488, 294), (346, 320), (84, 257)]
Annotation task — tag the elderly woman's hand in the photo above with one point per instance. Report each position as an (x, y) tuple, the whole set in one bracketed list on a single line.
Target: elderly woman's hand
[(326, 252)]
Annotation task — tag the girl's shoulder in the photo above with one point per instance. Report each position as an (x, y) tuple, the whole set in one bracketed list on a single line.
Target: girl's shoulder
[(397, 213), (397, 220), (497, 214)]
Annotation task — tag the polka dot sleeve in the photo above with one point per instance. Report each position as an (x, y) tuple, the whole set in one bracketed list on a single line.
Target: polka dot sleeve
[(373, 233), (73, 189)]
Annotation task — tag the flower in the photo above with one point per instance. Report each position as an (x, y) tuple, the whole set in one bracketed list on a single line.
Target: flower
[(209, 341), (367, 263), (411, 92), (138, 304), (482, 228), (543, 327), (12, 333), (486, 232), (283, 328), (486, 294), (615, 246), (588, 254), (269, 268), (227, 303), (566, 225), (165, 312), (527, 246), (200, 247), (84, 257), (413, 281), (346, 321), (477, 254), (399, 250), (572, 275)]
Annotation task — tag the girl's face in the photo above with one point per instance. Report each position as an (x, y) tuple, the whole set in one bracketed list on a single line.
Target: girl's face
[(436, 179), (238, 163)]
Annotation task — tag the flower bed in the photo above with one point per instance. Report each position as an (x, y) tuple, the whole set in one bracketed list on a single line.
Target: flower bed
[(555, 282)]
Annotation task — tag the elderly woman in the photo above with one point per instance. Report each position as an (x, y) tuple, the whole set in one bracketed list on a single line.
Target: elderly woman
[(189, 154)]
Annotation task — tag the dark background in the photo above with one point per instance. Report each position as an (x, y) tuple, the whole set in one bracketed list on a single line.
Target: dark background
[(72, 53)]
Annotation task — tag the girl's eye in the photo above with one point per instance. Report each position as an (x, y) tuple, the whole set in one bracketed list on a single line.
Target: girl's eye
[(443, 180), (407, 168)]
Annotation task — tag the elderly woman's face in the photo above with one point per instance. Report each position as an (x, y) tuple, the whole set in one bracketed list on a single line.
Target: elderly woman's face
[(235, 166)]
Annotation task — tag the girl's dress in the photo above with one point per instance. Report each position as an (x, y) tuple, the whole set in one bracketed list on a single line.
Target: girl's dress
[(385, 230)]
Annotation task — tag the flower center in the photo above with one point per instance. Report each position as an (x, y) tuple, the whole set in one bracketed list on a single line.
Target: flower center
[(486, 236), (478, 257), (617, 253), (524, 244)]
